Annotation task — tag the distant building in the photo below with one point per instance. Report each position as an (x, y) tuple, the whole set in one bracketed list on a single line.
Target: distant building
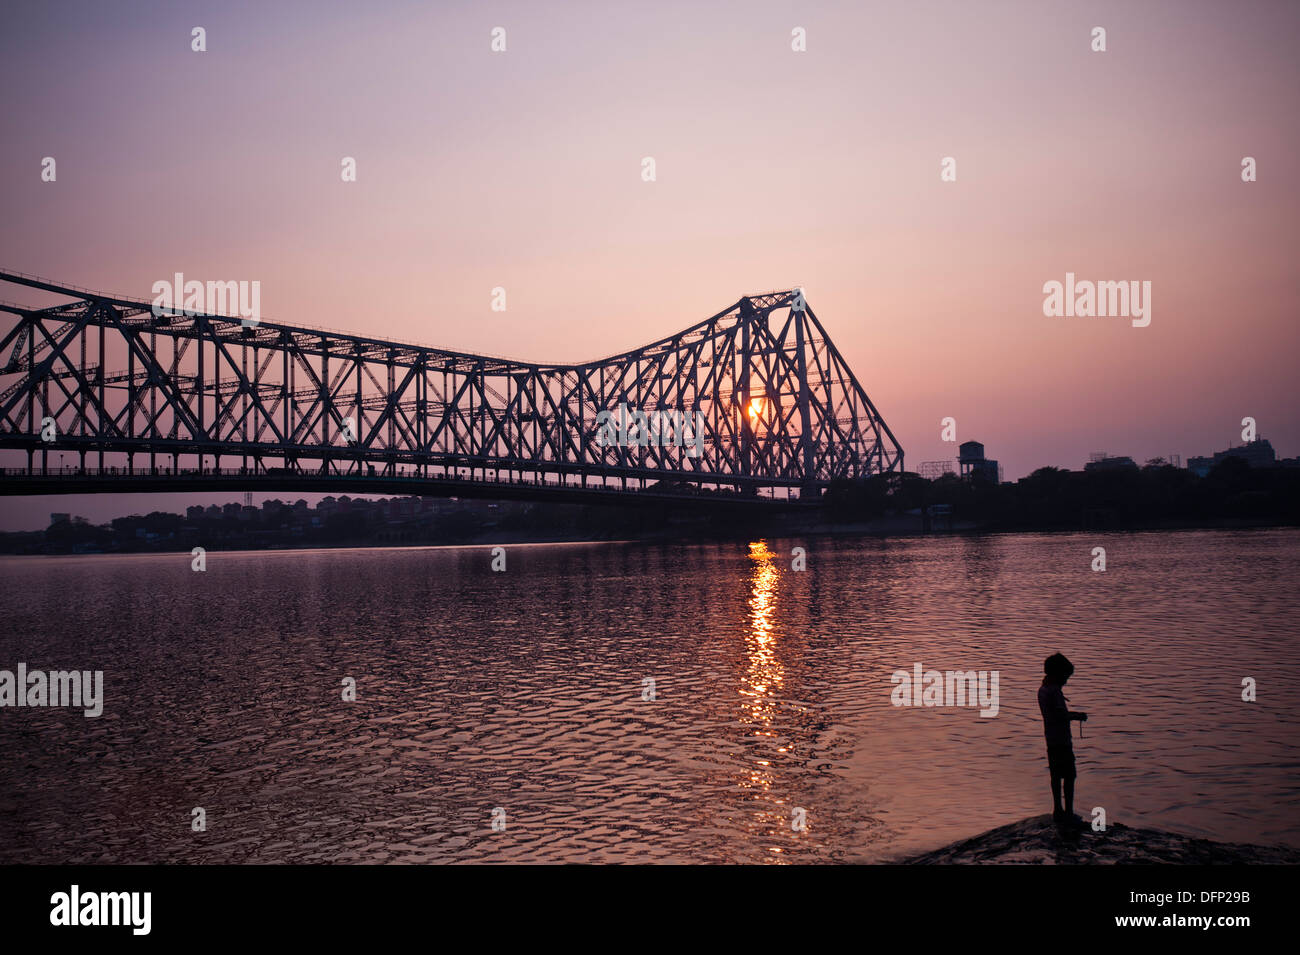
[(1101, 461), (1173, 461), (1257, 454), (971, 461), (933, 470)]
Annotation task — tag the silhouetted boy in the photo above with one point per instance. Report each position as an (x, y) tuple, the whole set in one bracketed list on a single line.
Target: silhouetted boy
[(1060, 744)]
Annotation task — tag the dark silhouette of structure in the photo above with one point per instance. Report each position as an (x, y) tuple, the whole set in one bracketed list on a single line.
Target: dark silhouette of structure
[(1258, 454), (1101, 461), (971, 461), (144, 398)]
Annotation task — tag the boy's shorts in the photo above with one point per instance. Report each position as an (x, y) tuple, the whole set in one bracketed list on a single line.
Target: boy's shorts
[(1060, 760)]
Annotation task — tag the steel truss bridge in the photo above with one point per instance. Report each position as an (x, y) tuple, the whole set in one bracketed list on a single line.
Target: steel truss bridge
[(138, 398)]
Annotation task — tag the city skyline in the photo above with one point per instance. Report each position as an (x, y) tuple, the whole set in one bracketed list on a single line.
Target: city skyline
[(1256, 453), (31, 513)]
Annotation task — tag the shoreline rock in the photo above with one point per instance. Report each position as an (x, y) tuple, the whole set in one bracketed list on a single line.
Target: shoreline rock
[(1037, 841)]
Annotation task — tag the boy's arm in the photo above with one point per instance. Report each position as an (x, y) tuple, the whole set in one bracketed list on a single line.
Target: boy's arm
[(1056, 706)]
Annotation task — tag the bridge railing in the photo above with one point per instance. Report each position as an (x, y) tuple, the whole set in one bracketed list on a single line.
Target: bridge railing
[(182, 475), (125, 472)]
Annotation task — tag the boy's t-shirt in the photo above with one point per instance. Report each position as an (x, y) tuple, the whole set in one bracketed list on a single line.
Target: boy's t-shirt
[(1056, 715)]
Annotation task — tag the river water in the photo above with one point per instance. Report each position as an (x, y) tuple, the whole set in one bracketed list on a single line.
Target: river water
[(528, 691)]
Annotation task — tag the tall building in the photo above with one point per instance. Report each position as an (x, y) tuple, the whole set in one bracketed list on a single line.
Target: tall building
[(1257, 454)]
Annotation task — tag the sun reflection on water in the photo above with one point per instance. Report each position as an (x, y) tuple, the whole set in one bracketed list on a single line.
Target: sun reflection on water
[(760, 687)]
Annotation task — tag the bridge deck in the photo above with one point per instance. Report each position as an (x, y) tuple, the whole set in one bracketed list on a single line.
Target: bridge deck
[(17, 481)]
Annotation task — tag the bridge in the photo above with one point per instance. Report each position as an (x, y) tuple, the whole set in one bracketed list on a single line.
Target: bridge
[(98, 393)]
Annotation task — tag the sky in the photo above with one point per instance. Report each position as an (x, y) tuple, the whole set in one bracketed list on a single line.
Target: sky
[(775, 168)]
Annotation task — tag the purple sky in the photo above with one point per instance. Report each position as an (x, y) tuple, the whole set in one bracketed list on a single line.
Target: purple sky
[(775, 168)]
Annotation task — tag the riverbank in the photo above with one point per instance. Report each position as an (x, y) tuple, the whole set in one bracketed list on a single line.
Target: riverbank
[(1036, 841)]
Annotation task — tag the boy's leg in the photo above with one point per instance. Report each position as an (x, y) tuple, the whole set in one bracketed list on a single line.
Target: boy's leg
[(1056, 794), (1069, 796)]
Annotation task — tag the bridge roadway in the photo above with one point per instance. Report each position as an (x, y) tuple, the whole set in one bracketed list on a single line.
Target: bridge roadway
[(18, 481)]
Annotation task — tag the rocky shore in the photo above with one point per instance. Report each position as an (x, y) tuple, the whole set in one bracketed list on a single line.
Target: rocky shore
[(1037, 841)]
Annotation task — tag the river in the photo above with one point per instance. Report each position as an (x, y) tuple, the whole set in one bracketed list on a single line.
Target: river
[(643, 702)]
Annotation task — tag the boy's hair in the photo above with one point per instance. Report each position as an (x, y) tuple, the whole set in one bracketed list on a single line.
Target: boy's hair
[(1057, 667)]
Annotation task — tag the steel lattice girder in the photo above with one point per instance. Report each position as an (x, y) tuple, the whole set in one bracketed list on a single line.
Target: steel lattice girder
[(779, 405)]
